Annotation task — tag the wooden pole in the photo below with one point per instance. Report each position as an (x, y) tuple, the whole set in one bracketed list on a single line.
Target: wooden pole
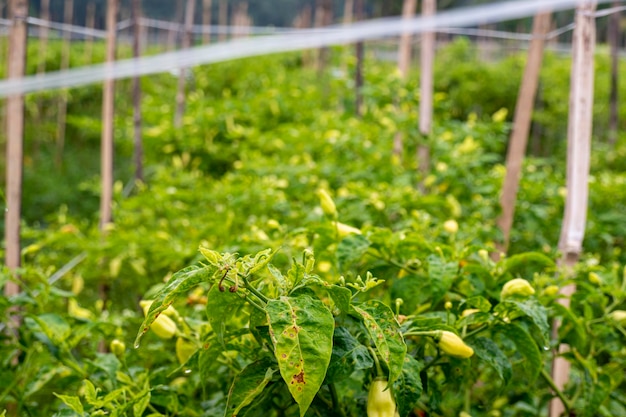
[(222, 19), (348, 12), (137, 141), (404, 49), (68, 14), (108, 98), (427, 59), (18, 12), (180, 94), (614, 35), (358, 75), (173, 33), (578, 162), (323, 17), (90, 20), (521, 126), (206, 19), (43, 36)]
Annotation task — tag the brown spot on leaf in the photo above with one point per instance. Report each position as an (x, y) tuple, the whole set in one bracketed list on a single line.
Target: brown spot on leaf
[(284, 356), (299, 378)]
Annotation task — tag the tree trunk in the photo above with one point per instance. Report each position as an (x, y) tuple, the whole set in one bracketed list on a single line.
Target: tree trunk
[(521, 127), (187, 38), (137, 141), (578, 161)]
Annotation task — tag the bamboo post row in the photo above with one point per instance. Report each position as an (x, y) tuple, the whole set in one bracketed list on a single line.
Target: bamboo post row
[(18, 12), (137, 141), (427, 58), (521, 126), (578, 163), (187, 38), (106, 197)]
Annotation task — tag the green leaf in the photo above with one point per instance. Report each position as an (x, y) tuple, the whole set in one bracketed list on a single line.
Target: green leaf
[(526, 347), (54, 327), (384, 331), (302, 333), (408, 387), (221, 306), (280, 279), (536, 312), (261, 260), (525, 265), (596, 393), (351, 249), (181, 282), (414, 290), (490, 353), (91, 394), (142, 399), (478, 302), (248, 385), (295, 274), (348, 356), (72, 402), (441, 276)]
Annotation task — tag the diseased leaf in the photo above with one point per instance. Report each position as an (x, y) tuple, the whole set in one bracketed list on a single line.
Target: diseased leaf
[(526, 347), (441, 276), (487, 350), (408, 387), (302, 333), (384, 331), (220, 307), (181, 282), (248, 385), (348, 356)]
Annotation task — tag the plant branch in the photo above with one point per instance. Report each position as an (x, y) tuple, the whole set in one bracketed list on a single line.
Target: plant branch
[(557, 391)]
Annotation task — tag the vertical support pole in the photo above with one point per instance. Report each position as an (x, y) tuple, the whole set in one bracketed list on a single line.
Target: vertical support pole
[(521, 126), (18, 11), (614, 35), (206, 20), (137, 141), (180, 94), (172, 35), (108, 99), (578, 163), (358, 76), (68, 15), (427, 59), (43, 36), (348, 12), (222, 19), (90, 20)]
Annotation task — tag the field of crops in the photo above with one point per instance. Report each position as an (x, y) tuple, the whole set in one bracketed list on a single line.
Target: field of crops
[(298, 266)]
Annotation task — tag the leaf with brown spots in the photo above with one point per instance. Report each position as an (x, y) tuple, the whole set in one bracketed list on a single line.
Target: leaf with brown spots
[(302, 333), (248, 385)]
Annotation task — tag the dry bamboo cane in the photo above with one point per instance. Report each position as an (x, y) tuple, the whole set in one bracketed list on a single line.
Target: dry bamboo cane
[(180, 94), (427, 59), (578, 162)]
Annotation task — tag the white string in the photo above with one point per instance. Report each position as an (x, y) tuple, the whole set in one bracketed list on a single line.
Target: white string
[(606, 12), (213, 29), (263, 45), (64, 27), (487, 33)]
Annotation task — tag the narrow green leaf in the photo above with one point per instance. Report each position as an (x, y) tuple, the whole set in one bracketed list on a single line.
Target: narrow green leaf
[(248, 385), (280, 279), (141, 403), (180, 283), (302, 332), (526, 347), (91, 394), (295, 274), (525, 265), (72, 402), (54, 327), (596, 394), (441, 276), (408, 387), (384, 331), (351, 249), (348, 356), (478, 302), (261, 260), (487, 350)]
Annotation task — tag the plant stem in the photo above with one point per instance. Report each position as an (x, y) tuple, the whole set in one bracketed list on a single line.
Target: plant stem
[(379, 369), (557, 391), (477, 330), (253, 290), (333, 395)]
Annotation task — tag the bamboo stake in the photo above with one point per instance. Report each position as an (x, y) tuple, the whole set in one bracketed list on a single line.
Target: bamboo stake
[(222, 19), (106, 197), (90, 20), (358, 77), (323, 17), (578, 161), (521, 126), (404, 59), (68, 14), (614, 35), (427, 58), (43, 36), (206, 19), (173, 33), (18, 12), (180, 94), (348, 12), (137, 141)]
